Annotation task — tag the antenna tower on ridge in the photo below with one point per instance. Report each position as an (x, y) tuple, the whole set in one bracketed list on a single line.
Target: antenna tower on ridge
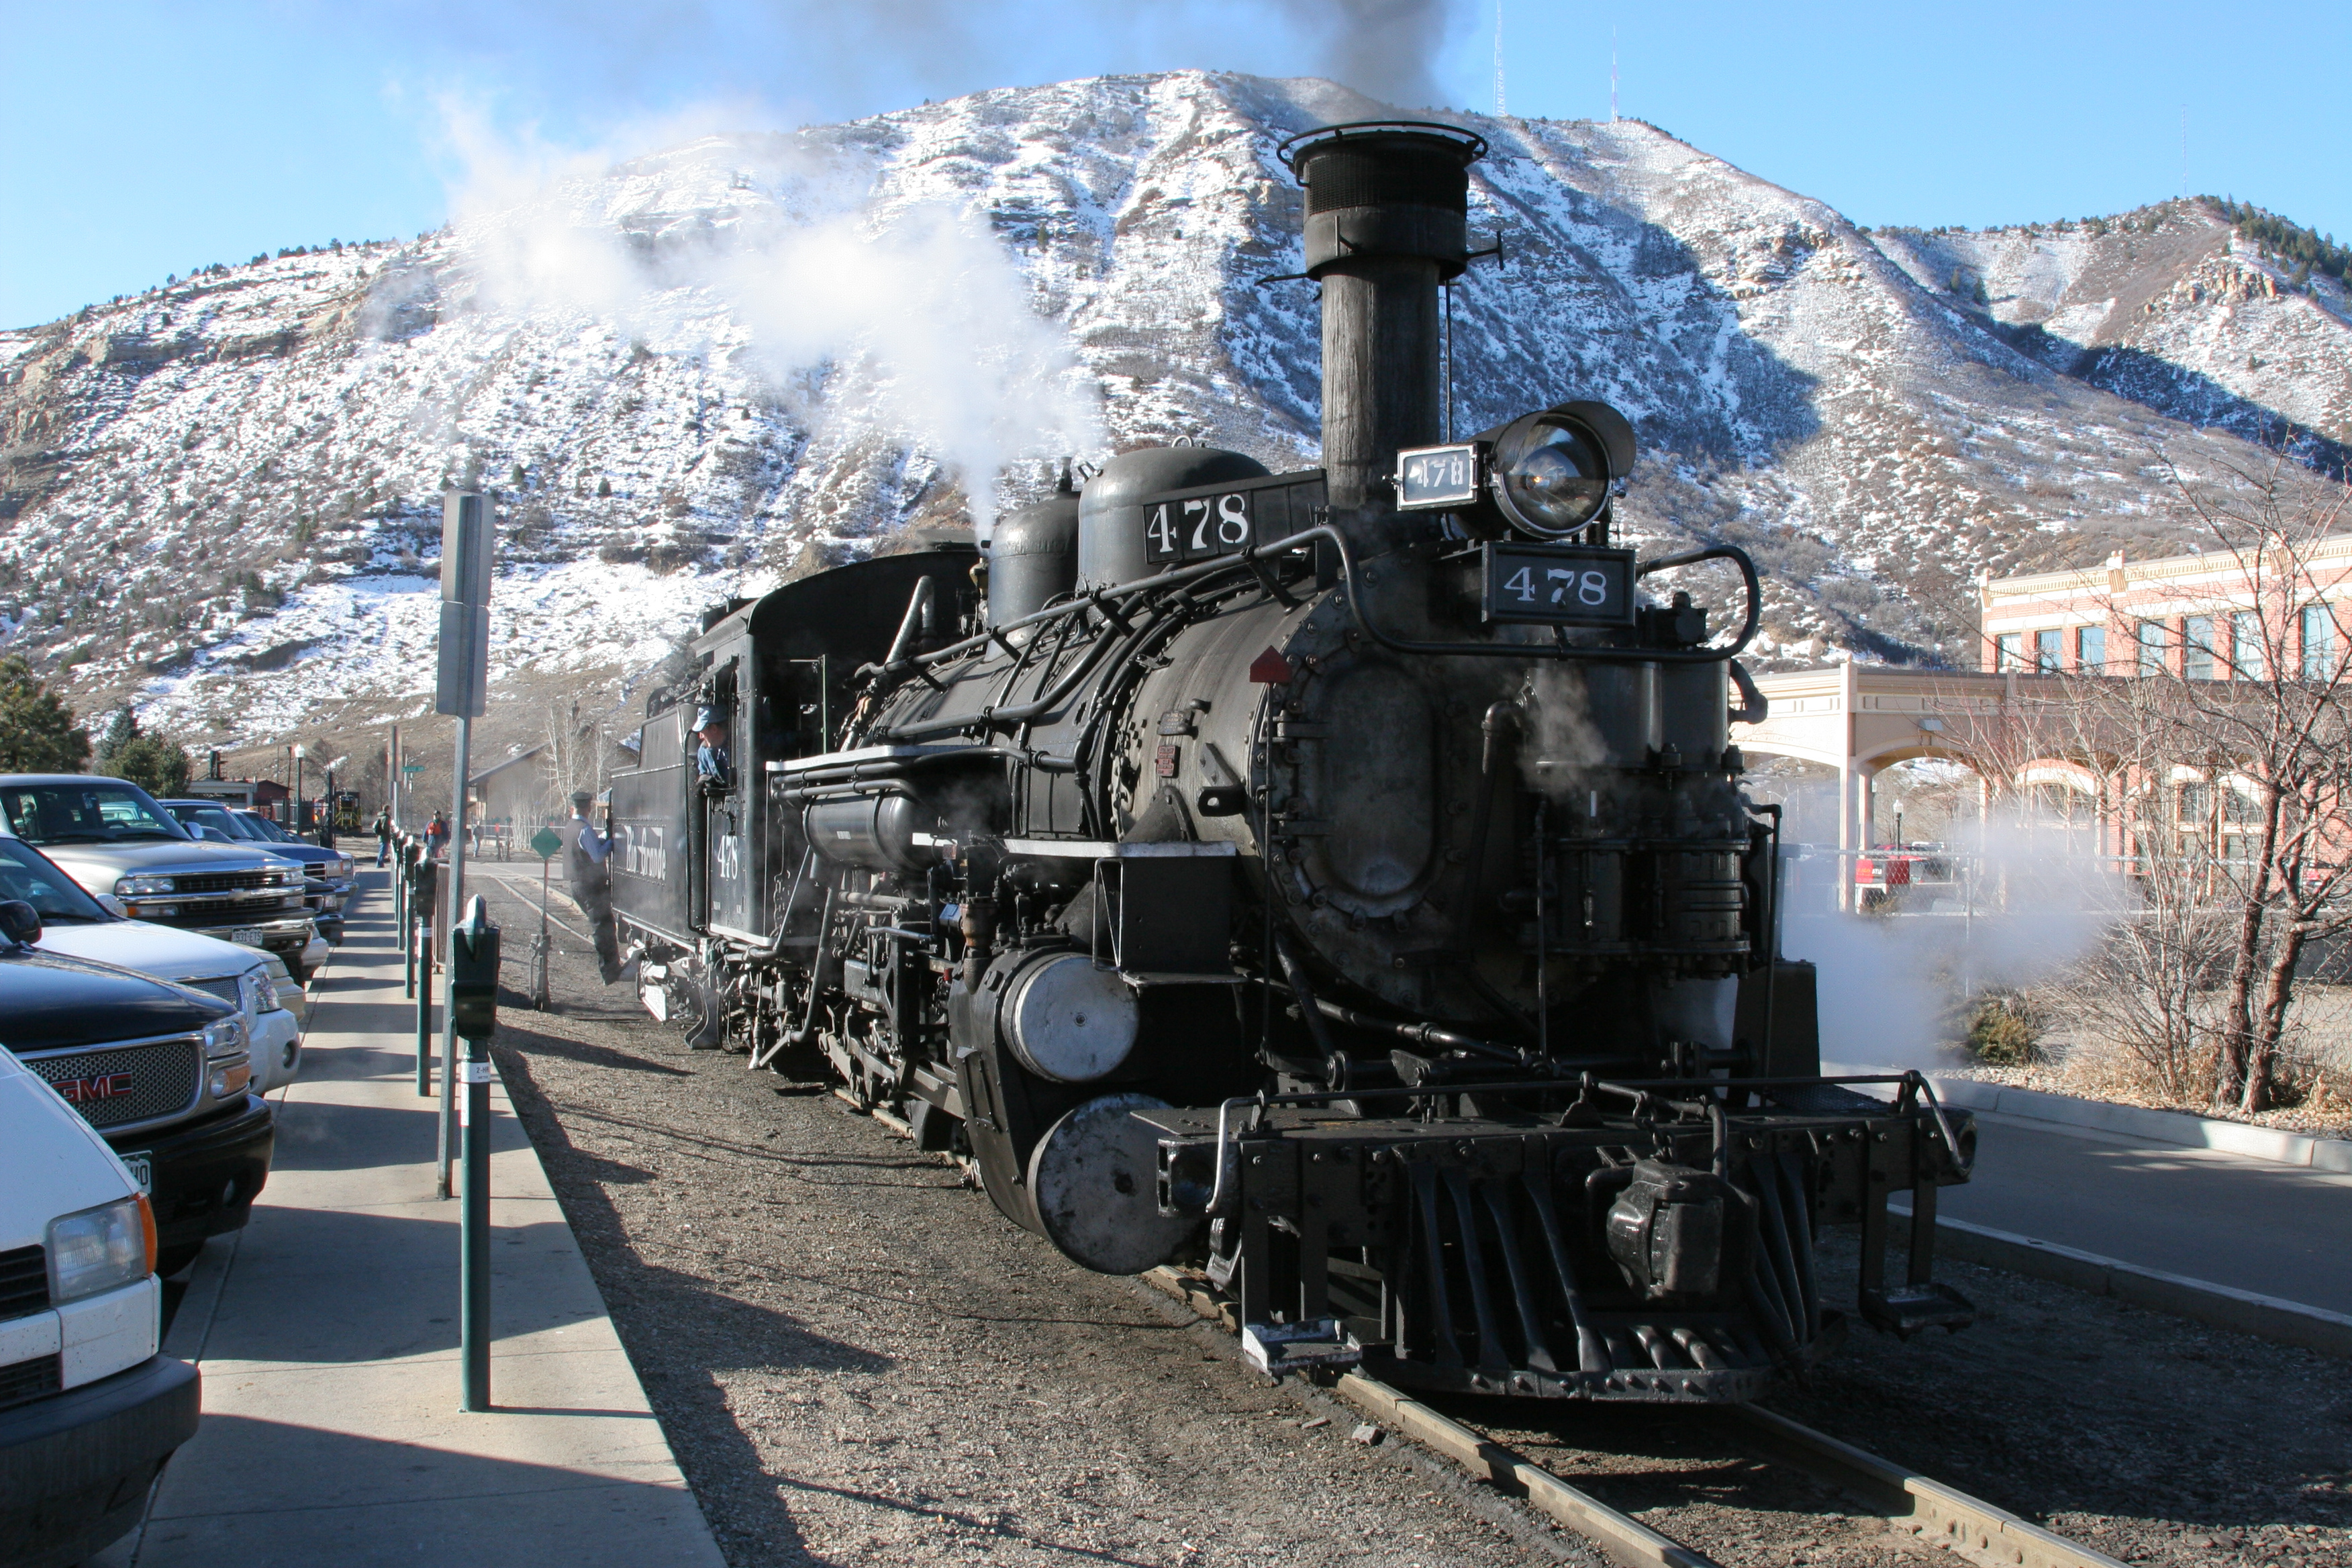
[(1613, 76), (1501, 110)]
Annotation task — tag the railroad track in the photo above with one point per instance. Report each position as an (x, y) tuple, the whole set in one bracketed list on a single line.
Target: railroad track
[(1913, 1505)]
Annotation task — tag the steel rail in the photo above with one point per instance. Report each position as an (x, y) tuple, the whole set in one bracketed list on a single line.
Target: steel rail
[(1926, 1508), (1970, 1526), (1622, 1539)]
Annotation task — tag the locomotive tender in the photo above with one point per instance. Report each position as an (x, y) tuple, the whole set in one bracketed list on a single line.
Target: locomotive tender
[(1339, 881)]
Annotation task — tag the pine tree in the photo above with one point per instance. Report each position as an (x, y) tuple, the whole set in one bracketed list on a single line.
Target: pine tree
[(38, 732), (120, 731), (159, 767)]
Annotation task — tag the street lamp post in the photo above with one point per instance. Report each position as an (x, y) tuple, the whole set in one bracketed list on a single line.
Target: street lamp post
[(326, 837), (296, 826)]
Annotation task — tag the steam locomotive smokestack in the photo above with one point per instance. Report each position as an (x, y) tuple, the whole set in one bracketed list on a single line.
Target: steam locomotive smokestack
[(1387, 223)]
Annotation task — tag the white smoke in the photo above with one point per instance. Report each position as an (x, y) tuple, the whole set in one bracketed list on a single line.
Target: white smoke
[(800, 273), (2025, 903)]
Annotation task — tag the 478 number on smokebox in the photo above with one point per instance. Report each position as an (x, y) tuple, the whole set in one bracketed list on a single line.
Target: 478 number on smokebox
[(1560, 584)]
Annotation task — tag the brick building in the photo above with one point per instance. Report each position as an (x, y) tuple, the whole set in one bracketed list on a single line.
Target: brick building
[(2202, 618)]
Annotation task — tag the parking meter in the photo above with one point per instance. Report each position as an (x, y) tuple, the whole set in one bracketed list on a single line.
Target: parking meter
[(404, 871), (420, 901), (474, 1013), (474, 975)]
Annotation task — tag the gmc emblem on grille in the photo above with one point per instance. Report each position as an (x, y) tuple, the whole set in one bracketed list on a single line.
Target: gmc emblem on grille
[(81, 1090)]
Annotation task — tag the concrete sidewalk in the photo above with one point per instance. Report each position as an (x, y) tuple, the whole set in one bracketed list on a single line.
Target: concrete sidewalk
[(328, 1335)]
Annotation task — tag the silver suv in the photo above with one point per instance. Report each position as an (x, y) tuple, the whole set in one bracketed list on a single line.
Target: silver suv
[(111, 836)]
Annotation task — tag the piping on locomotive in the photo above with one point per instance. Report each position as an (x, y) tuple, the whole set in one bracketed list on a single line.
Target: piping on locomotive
[(1338, 880)]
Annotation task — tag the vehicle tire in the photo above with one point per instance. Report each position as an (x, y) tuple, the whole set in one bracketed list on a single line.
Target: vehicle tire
[(170, 1260), (301, 973)]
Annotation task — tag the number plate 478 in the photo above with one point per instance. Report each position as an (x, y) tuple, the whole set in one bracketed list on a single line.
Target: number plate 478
[(1560, 584), (1193, 527)]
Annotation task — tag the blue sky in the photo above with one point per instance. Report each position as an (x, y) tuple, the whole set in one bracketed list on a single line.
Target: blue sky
[(147, 139)]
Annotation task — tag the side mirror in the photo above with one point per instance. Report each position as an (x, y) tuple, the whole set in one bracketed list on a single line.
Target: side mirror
[(20, 922), (114, 906), (213, 836)]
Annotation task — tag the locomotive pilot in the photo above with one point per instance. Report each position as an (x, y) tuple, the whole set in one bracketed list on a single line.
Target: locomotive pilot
[(589, 865)]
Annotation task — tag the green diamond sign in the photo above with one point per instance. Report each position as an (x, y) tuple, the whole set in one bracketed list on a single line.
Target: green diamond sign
[(546, 841)]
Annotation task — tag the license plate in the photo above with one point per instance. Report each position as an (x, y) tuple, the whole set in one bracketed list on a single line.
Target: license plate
[(142, 1170), (245, 936)]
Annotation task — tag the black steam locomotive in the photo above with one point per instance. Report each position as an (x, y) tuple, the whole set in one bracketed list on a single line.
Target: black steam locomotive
[(1338, 880)]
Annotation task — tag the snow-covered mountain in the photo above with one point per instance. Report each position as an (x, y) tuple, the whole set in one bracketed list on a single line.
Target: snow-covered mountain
[(2169, 306), (695, 373)]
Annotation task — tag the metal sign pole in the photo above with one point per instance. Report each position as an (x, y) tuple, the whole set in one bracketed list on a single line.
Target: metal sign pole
[(455, 893), (468, 543), (546, 843)]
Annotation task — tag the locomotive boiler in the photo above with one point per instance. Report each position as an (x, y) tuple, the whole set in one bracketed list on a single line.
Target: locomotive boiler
[(1337, 881)]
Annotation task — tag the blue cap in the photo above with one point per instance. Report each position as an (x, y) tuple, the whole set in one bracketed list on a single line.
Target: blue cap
[(706, 716)]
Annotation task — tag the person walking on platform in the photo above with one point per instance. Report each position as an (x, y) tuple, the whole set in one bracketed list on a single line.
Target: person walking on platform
[(382, 836), (437, 836), (589, 867)]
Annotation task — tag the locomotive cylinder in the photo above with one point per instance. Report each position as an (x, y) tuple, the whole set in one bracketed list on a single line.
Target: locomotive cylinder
[(1070, 1021)]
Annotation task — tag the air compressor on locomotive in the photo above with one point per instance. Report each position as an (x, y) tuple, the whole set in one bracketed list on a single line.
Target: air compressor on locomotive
[(1338, 880)]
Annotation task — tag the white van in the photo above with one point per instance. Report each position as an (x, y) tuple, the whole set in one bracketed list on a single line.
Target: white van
[(88, 1411)]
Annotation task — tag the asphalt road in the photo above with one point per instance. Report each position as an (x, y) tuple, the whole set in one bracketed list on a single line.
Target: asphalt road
[(2222, 1219)]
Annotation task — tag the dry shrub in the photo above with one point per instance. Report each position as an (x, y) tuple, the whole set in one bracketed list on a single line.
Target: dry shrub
[(2005, 1028), (2100, 1069), (2147, 1003)]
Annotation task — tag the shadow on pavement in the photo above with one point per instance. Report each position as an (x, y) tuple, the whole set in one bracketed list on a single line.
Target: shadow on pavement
[(270, 1491)]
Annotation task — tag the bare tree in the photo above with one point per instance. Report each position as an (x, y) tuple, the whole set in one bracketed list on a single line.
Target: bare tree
[(2224, 773), (2220, 764), (2270, 738), (569, 762)]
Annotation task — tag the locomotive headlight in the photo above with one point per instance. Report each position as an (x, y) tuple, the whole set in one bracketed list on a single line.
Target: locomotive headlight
[(1552, 470), (1550, 477), (1545, 475)]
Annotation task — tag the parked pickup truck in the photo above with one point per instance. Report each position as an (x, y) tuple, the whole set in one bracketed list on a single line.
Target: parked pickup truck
[(113, 839), (253, 982), (328, 871), (88, 1412)]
